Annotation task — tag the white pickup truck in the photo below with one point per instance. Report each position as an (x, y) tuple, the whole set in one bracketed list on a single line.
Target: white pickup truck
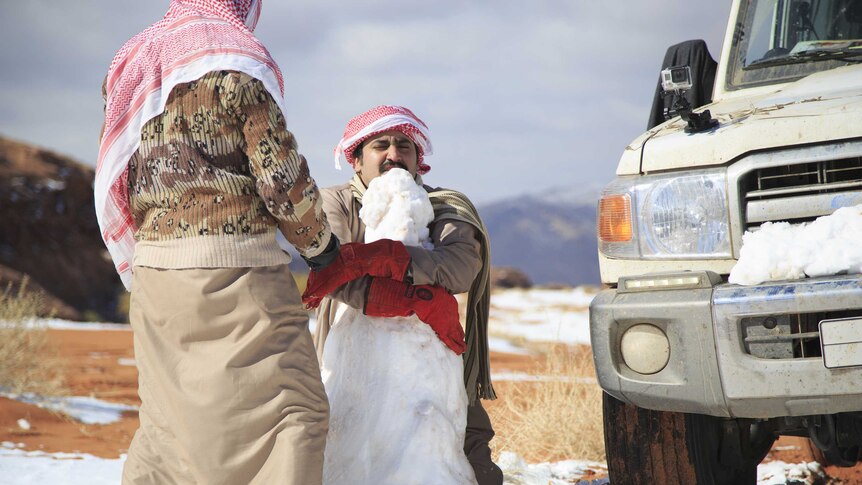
[(700, 375)]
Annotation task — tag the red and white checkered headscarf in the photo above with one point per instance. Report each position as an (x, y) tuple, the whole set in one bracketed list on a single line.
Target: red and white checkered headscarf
[(380, 119), (195, 37)]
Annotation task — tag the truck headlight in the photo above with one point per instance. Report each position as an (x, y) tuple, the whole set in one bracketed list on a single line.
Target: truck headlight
[(672, 216)]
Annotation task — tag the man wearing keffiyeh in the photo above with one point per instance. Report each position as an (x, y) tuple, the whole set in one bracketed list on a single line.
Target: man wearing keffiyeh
[(196, 173), (375, 141)]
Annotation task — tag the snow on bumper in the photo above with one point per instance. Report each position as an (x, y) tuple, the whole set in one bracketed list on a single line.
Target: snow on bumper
[(712, 369)]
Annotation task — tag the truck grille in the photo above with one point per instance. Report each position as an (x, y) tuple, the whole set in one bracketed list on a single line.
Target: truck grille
[(800, 192), (794, 336)]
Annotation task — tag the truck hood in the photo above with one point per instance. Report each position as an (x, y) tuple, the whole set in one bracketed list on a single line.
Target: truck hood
[(826, 106)]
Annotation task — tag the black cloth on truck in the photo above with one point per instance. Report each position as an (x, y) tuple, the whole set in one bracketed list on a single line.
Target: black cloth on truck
[(692, 53)]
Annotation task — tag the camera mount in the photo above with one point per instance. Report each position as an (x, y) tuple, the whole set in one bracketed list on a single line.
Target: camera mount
[(675, 81)]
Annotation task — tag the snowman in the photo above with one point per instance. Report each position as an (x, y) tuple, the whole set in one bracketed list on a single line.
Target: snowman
[(398, 406)]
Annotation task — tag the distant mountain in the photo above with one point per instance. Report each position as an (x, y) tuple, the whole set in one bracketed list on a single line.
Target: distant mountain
[(550, 236), (48, 231)]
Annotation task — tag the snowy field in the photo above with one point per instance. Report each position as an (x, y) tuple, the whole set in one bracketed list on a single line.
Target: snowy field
[(540, 315), (19, 467), (519, 318)]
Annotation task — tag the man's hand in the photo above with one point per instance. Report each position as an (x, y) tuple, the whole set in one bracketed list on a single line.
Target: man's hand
[(432, 304), (383, 258)]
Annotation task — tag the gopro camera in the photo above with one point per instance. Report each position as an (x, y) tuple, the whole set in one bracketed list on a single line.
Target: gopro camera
[(677, 78)]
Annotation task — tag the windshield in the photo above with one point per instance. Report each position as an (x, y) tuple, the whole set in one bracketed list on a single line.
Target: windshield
[(778, 41)]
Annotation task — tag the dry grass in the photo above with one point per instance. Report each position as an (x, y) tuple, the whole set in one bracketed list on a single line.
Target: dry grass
[(556, 419), (301, 280), (28, 362)]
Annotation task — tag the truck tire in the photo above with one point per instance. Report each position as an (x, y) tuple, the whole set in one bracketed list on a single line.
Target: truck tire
[(649, 447)]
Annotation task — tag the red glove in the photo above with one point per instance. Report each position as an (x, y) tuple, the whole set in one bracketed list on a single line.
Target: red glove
[(432, 304), (383, 258)]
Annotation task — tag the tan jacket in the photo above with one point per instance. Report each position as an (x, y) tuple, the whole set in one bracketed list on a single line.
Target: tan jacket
[(453, 263)]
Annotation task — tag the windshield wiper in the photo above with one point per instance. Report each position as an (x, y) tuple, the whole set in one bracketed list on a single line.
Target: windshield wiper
[(814, 55)]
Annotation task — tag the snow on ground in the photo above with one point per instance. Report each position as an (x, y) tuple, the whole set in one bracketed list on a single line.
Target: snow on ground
[(504, 346), (87, 410), (536, 315), (513, 299), (780, 473), (19, 467), (58, 324), (518, 472), (782, 251), (542, 315), (524, 377)]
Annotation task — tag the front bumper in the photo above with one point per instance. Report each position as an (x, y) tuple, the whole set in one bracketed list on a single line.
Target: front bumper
[(710, 371)]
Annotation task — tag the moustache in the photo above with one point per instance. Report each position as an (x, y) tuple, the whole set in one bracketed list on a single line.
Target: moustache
[(385, 166)]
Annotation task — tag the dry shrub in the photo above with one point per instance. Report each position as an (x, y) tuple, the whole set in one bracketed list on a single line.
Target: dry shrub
[(559, 418), (28, 362), (124, 305)]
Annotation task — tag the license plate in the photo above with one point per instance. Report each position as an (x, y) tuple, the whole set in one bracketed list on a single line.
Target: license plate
[(841, 342)]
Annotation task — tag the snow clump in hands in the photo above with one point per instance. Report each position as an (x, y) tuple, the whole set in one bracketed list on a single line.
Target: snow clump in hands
[(396, 207)]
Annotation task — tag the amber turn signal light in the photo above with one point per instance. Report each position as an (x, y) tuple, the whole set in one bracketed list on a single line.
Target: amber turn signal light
[(615, 218)]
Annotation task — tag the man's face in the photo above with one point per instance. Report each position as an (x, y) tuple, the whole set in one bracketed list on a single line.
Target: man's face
[(384, 151)]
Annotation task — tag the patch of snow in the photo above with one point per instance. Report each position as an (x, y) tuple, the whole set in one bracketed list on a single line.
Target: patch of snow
[(782, 251), (524, 377), (58, 324), (523, 299), (87, 410), (23, 424), (53, 185), (127, 362), (19, 467), (504, 346), (786, 448), (542, 315), (780, 473), (518, 472), (549, 325)]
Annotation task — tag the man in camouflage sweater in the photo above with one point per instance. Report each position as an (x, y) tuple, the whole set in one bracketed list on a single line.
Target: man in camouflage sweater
[(196, 173)]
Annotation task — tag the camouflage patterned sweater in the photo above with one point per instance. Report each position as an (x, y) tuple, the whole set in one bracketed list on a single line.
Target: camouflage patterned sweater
[(216, 173)]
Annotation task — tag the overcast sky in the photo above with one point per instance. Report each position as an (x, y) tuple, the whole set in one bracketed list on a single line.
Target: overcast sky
[(522, 96)]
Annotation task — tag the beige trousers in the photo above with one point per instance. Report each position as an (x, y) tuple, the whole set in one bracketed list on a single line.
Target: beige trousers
[(228, 379)]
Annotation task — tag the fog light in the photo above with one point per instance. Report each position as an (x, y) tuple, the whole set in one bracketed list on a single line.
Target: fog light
[(645, 348)]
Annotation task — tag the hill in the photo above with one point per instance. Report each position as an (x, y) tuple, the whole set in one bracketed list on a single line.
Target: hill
[(48, 230), (549, 236)]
